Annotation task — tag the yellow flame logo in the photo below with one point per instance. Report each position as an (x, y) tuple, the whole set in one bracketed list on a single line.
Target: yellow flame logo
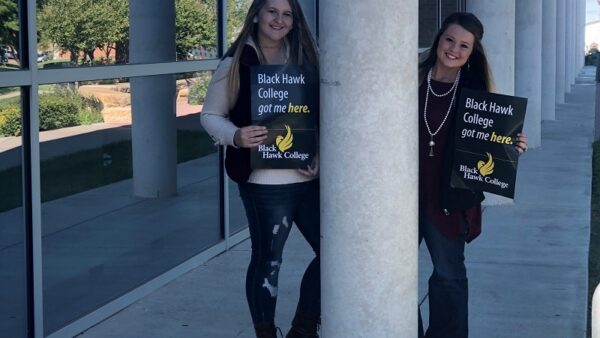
[(285, 143), (486, 168)]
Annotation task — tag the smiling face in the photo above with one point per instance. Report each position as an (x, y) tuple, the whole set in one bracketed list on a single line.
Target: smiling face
[(454, 48), (275, 20)]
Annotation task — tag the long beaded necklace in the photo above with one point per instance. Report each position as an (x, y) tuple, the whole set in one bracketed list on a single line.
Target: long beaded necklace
[(429, 89)]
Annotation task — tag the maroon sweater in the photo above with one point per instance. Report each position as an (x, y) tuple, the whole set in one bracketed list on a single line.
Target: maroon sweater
[(430, 168)]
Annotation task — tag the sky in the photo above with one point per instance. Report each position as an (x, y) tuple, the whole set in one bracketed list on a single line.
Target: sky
[(592, 10), (592, 18)]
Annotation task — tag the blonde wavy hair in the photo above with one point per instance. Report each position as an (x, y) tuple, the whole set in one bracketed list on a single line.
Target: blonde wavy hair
[(302, 46)]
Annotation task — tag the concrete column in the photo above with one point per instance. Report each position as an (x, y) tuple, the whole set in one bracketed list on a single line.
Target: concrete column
[(581, 32), (549, 60), (569, 46), (154, 138), (528, 62), (560, 51), (576, 53), (369, 168), (498, 18), (596, 313)]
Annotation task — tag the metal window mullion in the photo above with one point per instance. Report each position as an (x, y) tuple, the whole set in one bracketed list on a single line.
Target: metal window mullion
[(317, 20), (223, 183), (15, 78), (221, 27), (225, 205), (439, 14), (33, 168), (47, 76)]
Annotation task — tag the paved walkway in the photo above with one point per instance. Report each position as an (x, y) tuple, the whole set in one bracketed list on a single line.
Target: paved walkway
[(528, 270)]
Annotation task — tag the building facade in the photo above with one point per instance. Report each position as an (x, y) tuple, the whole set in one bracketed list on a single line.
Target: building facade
[(110, 187)]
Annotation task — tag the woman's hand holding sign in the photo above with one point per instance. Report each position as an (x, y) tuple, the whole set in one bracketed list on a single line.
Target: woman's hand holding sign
[(311, 170), (521, 143), (250, 136)]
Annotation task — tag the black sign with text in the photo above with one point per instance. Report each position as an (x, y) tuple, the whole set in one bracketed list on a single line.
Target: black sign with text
[(285, 99), (485, 158)]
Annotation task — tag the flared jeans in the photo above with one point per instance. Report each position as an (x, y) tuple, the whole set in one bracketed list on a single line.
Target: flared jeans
[(448, 284), (271, 211)]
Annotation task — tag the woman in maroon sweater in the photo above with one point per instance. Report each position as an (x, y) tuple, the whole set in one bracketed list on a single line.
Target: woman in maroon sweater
[(449, 217)]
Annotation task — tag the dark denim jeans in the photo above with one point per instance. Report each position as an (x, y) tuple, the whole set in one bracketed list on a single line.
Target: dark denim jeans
[(448, 285), (271, 210)]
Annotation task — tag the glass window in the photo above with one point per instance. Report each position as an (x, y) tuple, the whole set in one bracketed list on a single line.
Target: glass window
[(9, 35), (236, 13), (82, 33), (196, 29), (448, 7), (431, 15), (12, 260), (428, 22), (74, 33), (101, 236)]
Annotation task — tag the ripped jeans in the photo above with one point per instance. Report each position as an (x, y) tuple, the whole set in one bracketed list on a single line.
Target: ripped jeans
[(271, 210)]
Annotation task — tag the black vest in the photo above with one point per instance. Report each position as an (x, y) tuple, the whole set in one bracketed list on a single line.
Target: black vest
[(237, 160)]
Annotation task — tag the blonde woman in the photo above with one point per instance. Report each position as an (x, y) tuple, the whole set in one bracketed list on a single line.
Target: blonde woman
[(275, 32)]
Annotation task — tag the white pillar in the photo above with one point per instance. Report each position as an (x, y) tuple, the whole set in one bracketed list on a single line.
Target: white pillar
[(560, 51), (154, 138), (528, 65), (581, 32), (369, 128), (568, 45), (498, 18), (596, 313), (549, 60), (575, 42)]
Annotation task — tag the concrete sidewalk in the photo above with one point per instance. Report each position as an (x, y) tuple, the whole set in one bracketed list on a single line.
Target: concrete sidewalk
[(527, 271)]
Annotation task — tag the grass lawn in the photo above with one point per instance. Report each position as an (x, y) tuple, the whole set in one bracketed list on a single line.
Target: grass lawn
[(594, 256), (85, 170)]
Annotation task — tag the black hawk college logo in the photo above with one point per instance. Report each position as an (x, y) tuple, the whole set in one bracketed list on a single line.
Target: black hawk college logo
[(486, 168), (285, 142)]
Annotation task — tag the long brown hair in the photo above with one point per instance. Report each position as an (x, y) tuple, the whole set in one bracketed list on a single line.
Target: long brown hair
[(477, 64), (302, 46)]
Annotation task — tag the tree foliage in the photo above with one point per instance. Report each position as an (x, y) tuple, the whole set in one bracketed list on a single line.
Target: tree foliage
[(236, 13), (195, 25), (84, 25), (9, 23)]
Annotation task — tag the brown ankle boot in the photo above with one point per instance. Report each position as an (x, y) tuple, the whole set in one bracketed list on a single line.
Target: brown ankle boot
[(265, 330), (304, 326)]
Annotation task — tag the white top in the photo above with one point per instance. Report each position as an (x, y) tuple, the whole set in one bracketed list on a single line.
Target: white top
[(215, 120)]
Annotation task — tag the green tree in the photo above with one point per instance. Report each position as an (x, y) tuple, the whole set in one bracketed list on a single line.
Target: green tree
[(236, 13), (60, 22), (195, 25), (84, 25), (116, 27), (9, 24)]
